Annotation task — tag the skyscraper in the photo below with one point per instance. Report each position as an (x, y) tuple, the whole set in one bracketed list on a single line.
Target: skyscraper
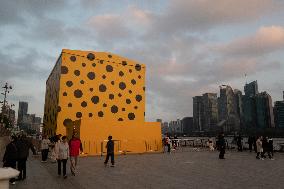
[(210, 114), (279, 114), (264, 111), (198, 113), (249, 111), (251, 89), (22, 111), (227, 110)]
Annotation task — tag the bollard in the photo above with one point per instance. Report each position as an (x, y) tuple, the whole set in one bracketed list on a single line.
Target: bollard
[(5, 175)]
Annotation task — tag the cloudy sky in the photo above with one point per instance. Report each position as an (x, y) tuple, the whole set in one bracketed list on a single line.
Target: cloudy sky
[(189, 46)]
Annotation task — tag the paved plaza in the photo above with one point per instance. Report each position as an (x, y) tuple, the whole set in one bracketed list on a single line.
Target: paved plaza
[(181, 169)]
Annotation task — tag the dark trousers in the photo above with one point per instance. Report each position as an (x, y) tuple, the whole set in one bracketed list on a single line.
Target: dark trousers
[(261, 155), (250, 147), (270, 153), (44, 154), (222, 152), (22, 168), (111, 155), (12, 164), (63, 161), (169, 147)]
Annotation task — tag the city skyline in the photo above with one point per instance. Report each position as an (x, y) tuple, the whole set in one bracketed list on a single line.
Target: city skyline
[(188, 48)]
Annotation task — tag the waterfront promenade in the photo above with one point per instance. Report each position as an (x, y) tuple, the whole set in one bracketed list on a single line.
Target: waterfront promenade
[(187, 169)]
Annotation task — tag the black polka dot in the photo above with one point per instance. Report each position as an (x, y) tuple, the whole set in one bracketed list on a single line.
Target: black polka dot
[(124, 63), (91, 56), (138, 67), (104, 105), (67, 122), (102, 88), (78, 114), (114, 109), (94, 64), (143, 88), (130, 91), (78, 93), (123, 109), (109, 68), (110, 56), (130, 70), (64, 94), (83, 64), (133, 81), (90, 115), (103, 76), (82, 82), (122, 85), (128, 101), (69, 83), (91, 89), (64, 70), (131, 116), (139, 76), (101, 61), (111, 96), (120, 95), (121, 73), (120, 119), (84, 104), (112, 82), (77, 72), (138, 98), (70, 105), (101, 114), (73, 58), (58, 109), (95, 99), (91, 75), (135, 107)]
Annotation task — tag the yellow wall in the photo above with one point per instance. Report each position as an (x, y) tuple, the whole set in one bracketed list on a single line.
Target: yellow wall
[(102, 94)]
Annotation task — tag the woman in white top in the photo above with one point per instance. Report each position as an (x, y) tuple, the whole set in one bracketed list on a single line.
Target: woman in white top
[(62, 153), (44, 148)]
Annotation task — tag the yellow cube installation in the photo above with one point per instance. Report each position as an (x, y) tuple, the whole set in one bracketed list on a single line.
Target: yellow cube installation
[(97, 94)]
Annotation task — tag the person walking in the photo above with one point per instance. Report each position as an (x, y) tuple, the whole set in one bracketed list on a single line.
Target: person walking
[(259, 148), (239, 143), (44, 148), (250, 143), (110, 151), (62, 153), (24, 145), (270, 148), (168, 143), (222, 146), (10, 156), (75, 146)]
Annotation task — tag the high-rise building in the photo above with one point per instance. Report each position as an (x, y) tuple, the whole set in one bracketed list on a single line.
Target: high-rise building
[(251, 89), (97, 94), (227, 109), (279, 114), (249, 111), (198, 112), (210, 114), (187, 125), (264, 110), (22, 111)]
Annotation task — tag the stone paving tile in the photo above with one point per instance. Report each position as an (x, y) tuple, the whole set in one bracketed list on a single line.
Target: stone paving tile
[(187, 169)]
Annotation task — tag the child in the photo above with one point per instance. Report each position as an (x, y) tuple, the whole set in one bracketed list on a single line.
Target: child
[(110, 151), (62, 153)]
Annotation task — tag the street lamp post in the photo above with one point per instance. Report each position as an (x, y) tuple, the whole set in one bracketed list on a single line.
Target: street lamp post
[(7, 90)]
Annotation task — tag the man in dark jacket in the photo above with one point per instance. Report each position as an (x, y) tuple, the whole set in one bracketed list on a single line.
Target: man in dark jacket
[(110, 151), (23, 145), (10, 156), (222, 146)]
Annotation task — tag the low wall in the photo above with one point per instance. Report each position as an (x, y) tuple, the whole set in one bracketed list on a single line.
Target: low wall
[(4, 140)]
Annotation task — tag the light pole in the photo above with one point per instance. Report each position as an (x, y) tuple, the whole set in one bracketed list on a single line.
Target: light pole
[(7, 90)]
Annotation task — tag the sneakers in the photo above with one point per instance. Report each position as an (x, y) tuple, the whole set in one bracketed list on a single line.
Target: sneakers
[(13, 183), (262, 158), (65, 176), (112, 165)]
